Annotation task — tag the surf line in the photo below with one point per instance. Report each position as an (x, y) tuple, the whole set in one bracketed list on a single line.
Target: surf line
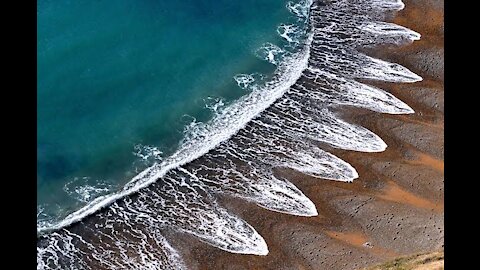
[(206, 136)]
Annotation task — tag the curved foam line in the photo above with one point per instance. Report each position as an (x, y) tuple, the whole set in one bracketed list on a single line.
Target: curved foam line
[(389, 4), (271, 194), (375, 143), (229, 232), (236, 116), (390, 29), (352, 93), (391, 72), (257, 245), (228, 122), (347, 174)]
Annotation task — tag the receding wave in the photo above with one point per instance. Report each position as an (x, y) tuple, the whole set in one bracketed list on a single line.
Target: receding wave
[(281, 122)]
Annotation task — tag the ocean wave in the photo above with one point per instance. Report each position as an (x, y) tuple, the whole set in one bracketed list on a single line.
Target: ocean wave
[(247, 81), (80, 189), (281, 123), (147, 152), (214, 104), (271, 53), (202, 137), (288, 32)]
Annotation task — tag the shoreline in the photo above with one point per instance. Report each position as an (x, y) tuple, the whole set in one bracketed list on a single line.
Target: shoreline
[(395, 208), (222, 127)]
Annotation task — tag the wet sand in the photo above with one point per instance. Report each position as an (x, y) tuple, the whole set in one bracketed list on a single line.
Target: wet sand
[(394, 208)]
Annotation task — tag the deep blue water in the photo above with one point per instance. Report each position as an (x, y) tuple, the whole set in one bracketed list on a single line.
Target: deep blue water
[(114, 77)]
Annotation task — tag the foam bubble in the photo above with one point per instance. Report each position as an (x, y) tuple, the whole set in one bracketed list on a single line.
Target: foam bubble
[(329, 88), (147, 152), (288, 32), (271, 53), (133, 249), (214, 104), (389, 32), (81, 188), (244, 81), (300, 9)]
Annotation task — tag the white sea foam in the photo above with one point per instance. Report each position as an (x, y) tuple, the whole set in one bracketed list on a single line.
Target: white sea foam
[(147, 152), (288, 32), (386, 30), (136, 248), (201, 137), (271, 52), (82, 190), (237, 152), (249, 81), (244, 80), (388, 4), (214, 104), (196, 214), (301, 8), (329, 88)]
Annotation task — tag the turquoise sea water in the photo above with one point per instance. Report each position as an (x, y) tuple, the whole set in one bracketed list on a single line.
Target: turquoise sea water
[(125, 77)]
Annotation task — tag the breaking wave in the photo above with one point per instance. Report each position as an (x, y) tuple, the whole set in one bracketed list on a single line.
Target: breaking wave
[(278, 123)]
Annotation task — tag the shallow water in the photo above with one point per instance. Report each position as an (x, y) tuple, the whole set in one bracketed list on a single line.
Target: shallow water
[(281, 121), (119, 83)]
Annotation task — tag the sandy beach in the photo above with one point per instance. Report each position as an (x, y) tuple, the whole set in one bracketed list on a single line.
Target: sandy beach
[(201, 207), (395, 208)]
